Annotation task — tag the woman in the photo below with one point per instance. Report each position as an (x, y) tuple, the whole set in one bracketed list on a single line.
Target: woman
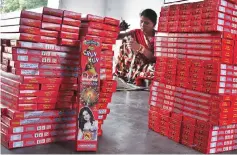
[(136, 58), (87, 125)]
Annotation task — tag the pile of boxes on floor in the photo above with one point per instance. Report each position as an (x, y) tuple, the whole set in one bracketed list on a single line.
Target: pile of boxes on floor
[(193, 94), (41, 71)]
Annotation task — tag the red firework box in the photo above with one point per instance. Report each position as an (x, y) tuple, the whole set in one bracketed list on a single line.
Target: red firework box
[(72, 15), (39, 114), (21, 36), (52, 19), (71, 29), (93, 25), (111, 21), (49, 40), (22, 14), (68, 55), (36, 141), (35, 128), (92, 32), (48, 33), (40, 59), (89, 93), (34, 121), (52, 12), (68, 35), (51, 26), (111, 28), (71, 22), (42, 134), (20, 29), (107, 47), (41, 46), (92, 18), (21, 21)]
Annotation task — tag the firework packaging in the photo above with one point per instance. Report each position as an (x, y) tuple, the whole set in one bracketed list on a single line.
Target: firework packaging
[(51, 26), (71, 29), (52, 19), (70, 55), (20, 36), (69, 42), (36, 141), (92, 18), (20, 29), (89, 94), (21, 21), (52, 12), (71, 22), (48, 33), (41, 46), (22, 14), (94, 25), (111, 21), (72, 15)]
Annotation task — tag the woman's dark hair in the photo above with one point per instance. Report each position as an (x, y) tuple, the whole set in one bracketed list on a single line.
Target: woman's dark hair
[(81, 119), (150, 14)]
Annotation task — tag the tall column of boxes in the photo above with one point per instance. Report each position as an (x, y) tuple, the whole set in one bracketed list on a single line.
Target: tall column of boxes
[(39, 80), (195, 75), (108, 85), (89, 80)]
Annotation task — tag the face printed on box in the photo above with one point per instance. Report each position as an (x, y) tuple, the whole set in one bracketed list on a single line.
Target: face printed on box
[(87, 124)]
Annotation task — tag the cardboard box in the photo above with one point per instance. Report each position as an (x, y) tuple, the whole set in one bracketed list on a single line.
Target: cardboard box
[(72, 15), (21, 21), (111, 28), (42, 134), (71, 22), (69, 42), (51, 26), (34, 121), (49, 40), (90, 31), (53, 12), (69, 55), (20, 29), (68, 35), (52, 19), (92, 18), (37, 141), (41, 46), (22, 14), (18, 85), (35, 128), (20, 36), (111, 21), (49, 33), (17, 92), (89, 91), (71, 29), (93, 25)]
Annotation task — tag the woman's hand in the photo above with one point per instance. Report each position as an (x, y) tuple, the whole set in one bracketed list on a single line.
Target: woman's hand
[(133, 45)]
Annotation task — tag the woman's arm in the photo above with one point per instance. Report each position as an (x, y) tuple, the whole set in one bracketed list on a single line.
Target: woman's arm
[(148, 54)]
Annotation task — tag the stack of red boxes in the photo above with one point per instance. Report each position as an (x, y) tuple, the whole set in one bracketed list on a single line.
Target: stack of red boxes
[(195, 72), (108, 85), (165, 123), (89, 80), (69, 34), (36, 77)]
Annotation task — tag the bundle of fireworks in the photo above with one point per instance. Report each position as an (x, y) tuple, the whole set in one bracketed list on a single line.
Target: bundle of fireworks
[(208, 15)]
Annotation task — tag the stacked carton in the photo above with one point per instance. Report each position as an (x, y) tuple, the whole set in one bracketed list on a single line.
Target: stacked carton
[(37, 78), (108, 85), (195, 74)]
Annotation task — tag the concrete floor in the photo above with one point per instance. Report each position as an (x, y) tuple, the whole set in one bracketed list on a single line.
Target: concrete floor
[(125, 132)]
